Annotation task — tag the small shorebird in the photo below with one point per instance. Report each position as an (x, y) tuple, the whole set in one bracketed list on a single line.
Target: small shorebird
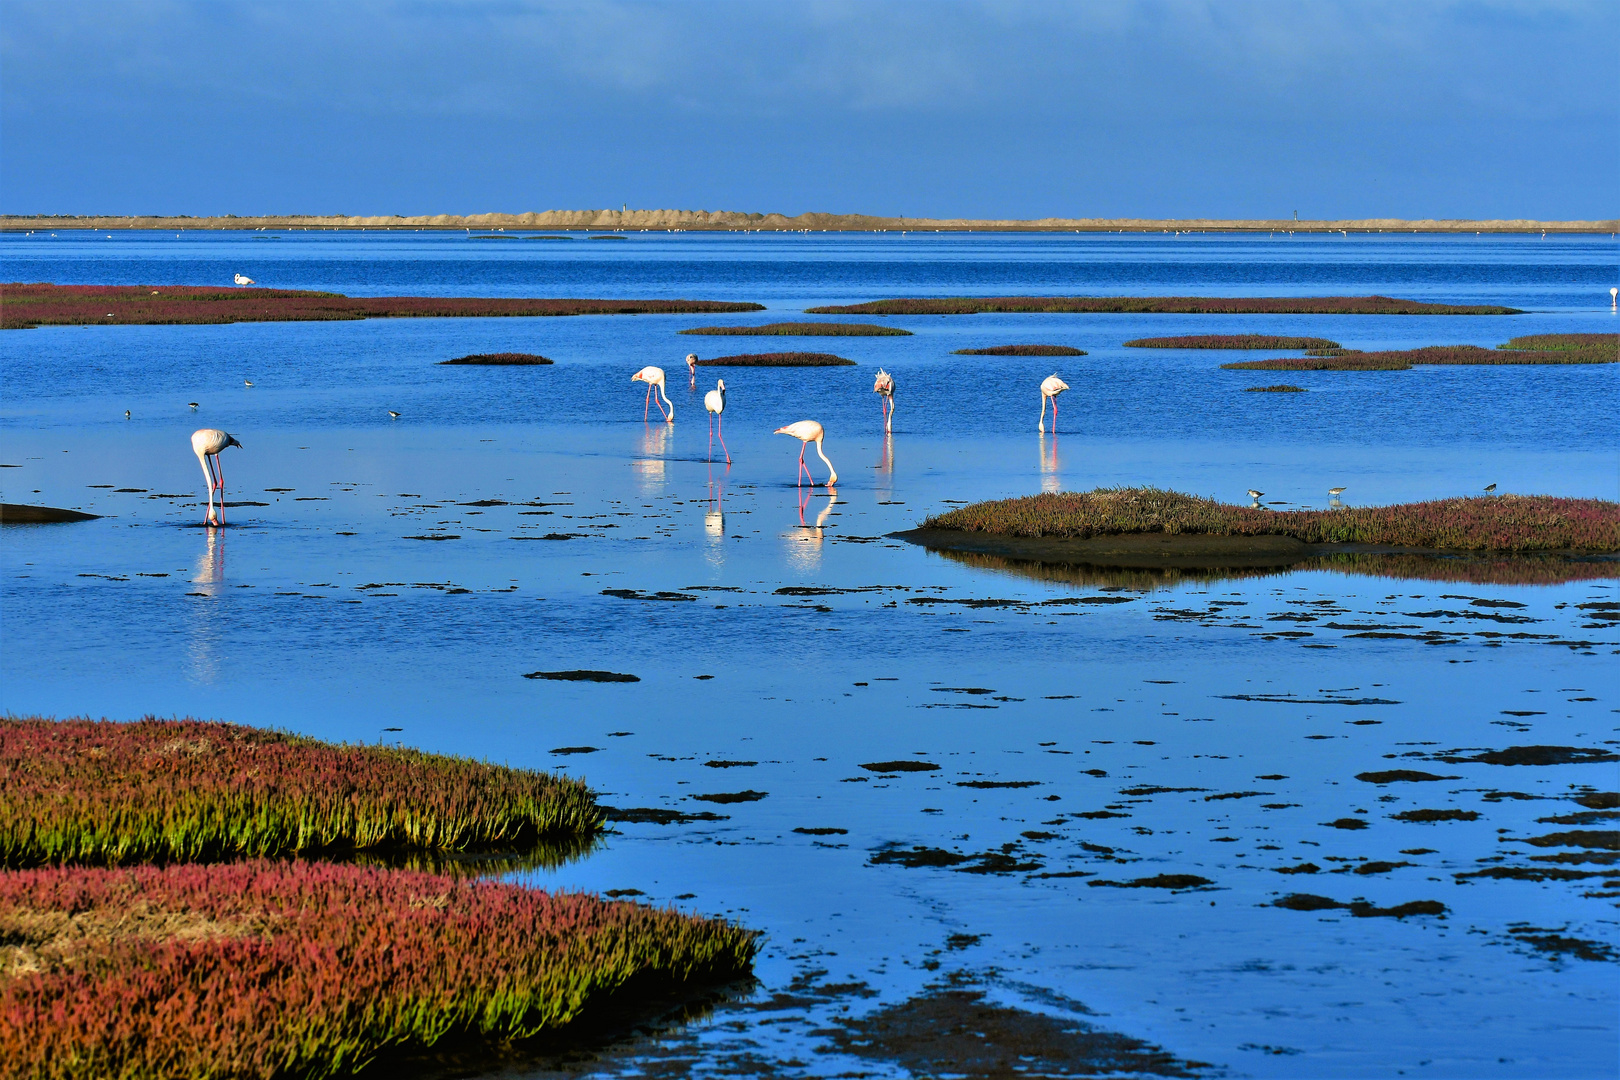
[(247, 382), (192, 405), (884, 385), (807, 432), (1254, 496), (126, 414), (1051, 387), (207, 443), (715, 403), (1336, 492), (243, 279), (1489, 488), (654, 378), (393, 415)]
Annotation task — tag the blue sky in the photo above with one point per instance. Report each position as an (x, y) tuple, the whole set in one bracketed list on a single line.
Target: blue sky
[(1016, 109)]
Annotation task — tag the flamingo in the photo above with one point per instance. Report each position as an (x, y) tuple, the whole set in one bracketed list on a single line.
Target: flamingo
[(884, 385), (243, 279), (807, 432), (715, 402), (1051, 387), (1614, 298), (691, 367), (654, 378), (207, 443)]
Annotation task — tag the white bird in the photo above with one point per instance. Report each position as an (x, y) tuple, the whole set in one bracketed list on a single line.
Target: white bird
[(206, 443), (807, 432), (691, 365), (1051, 387), (715, 402), (884, 385), (1614, 298), (1253, 494), (243, 279), (654, 378)]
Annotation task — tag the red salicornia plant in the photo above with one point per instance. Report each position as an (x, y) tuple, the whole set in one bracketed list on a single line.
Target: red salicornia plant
[(270, 969), (802, 329), (1232, 341), (104, 792), (1405, 359)]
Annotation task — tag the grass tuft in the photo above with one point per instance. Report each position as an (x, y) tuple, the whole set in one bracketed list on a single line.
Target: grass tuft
[(88, 791), (1506, 523), (802, 329), (1023, 350), (778, 359), (269, 969), (1232, 341), (1184, 305)]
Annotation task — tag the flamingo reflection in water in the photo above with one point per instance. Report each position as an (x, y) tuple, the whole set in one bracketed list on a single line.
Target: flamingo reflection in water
[(202, 644), (804, 544), (1051, 482), (649, 466)]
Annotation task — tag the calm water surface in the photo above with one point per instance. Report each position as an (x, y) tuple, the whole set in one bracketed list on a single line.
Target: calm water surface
[(1090, 733)]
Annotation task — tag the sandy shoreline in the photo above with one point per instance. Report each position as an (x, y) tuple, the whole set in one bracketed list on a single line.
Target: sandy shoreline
[(734, 221)]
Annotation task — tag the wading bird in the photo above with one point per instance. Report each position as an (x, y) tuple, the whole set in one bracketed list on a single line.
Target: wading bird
[(1489, 488), (247, 382), (192, 405), (654, 378), (243, 279), (1051, 387), (691, 367), (126, 414), (1614, 298), (1336, 492), (392, 415), (206, 443), (715, 403), (1253, 494), (884, 385), (807, 432)]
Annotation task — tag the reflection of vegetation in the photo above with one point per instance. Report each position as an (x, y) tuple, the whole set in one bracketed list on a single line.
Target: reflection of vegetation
[(311, 969), (160, 790), (545, 853), (1475, 570), (1506, 523)]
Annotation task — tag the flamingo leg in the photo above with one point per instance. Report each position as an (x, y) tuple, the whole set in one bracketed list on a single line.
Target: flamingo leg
[(711, 437), (646, 406), (888, 421), (208, 473), (720, 425), (1054, 416), (803, 468), (220, 470)]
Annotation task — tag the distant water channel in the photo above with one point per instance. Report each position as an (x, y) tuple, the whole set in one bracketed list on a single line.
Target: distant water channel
[(1261, 825)]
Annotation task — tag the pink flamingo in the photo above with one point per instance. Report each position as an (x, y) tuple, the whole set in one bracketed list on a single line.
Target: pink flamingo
[(715, 403), (654, 378), (1051, 387), (807, 432), (206, 443), (884, 385), (691, 368)]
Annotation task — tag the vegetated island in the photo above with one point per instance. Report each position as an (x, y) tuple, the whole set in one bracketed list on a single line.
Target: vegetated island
[(1560, 342), (739, 221), (1173, 305), (501, 359), (1232, 341), (88, 791), (28, 305), (23, 514), (286, 967), (778, 359), (802, 329), (1279, 388), (1445, 355), (1151, 527), (1022, 350), (269, 968)]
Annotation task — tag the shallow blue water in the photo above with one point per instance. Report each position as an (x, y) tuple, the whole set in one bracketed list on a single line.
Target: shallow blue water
[(325, 610)]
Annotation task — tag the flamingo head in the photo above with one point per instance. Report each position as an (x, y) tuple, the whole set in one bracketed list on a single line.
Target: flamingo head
[(720, 385), (230, 440), (691, 360)]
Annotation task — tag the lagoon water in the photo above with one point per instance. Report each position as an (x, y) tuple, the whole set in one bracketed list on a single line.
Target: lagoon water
[(396, 579)]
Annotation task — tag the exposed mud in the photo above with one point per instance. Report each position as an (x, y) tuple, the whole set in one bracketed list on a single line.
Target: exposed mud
[(582, 675)]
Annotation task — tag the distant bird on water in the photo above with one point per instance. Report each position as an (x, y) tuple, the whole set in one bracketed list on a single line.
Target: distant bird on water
[(247, 382), (691, 364), (715, 402), (393, 415), (654, 378), (884, 385), (1614, 298), (206, 443), (192, 405), (243, 279), (1051, 387), (807, 432), (126, 414), (1489, 488), (1336, 492)]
